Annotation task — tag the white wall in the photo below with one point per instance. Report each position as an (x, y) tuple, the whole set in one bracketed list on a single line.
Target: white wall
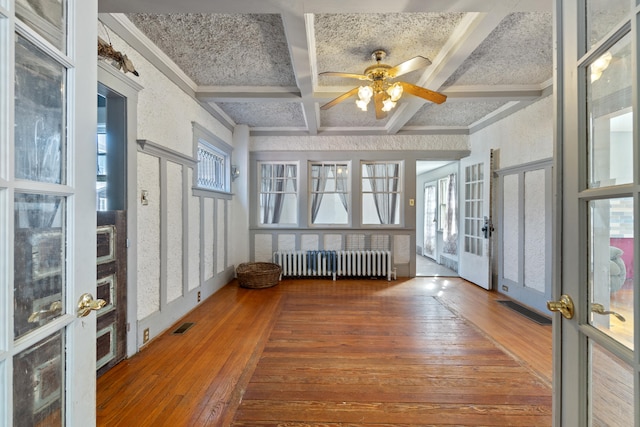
[(165, 114), (520, 138)]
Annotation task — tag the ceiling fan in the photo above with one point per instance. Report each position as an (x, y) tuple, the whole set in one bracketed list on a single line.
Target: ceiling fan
[(385, 94)]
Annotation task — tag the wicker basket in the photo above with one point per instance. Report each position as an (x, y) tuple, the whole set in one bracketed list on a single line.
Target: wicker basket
[(258, 275)]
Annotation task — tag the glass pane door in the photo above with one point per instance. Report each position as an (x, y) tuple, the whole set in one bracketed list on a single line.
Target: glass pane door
[(601, 193), (47, 355)]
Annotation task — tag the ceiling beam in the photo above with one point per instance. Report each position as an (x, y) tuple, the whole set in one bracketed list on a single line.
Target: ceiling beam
[(247, 94), (470, 33), (298, 29)]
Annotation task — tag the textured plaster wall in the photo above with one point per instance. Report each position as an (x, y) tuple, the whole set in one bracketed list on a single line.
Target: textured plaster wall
[(535, 230), (361, 143), (149, 237), (165, 114), (174, 231), (165, 111), (511, 231), (523, 137)]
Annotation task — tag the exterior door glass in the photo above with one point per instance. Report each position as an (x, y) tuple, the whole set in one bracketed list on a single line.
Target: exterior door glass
[(39, 115), (39, 261), (610, 117), (46, 17), (38, 378), (611, 389), (611, 273), (602, 17)]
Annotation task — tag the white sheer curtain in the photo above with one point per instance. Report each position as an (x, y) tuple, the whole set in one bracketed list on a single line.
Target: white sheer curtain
[(277, 180), (319, 174), (429, 220), (384, 187), (450, 229)]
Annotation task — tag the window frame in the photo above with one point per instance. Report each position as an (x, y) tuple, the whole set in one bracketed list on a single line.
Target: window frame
[(443, 203), (259, 193), (399, 191), (348, 192), (207, 141)]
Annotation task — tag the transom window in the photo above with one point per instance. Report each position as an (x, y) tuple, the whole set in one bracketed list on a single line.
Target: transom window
[(330, 183), (381, 192), (278, 193), (212, 167), (214, 161)]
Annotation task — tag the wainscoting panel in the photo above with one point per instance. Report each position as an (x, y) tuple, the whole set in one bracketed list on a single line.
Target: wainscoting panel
[(174, 232), (148, 236), (263, 247)]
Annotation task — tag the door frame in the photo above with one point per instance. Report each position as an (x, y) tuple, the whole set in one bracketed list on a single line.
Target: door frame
[(110, 78), (571, 219)]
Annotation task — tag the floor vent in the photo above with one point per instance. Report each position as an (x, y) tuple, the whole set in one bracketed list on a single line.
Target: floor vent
[(183, 328), (531, 315)]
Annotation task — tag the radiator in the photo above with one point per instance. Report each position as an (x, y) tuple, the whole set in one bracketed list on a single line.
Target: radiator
[(364, 263)]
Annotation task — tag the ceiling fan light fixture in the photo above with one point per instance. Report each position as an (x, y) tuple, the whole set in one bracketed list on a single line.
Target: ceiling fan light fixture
[(388, 104), (362, 104), (395, 92), (599, 65), (365, 93)]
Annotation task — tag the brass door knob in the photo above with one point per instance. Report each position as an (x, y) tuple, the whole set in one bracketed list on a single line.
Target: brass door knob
[(87, 303), (564, 306), (599, 309)]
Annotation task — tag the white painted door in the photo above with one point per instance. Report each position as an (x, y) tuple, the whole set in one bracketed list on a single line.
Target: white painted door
[(47, 205), (475, 219), (597, 368)]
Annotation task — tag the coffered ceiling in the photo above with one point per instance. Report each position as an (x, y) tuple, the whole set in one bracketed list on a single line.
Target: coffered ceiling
[(257, 62)]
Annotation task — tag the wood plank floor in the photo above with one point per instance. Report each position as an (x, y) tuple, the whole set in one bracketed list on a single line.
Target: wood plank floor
[(423, 351)]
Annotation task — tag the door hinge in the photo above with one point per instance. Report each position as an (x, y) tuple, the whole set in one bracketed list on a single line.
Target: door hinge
[(128, 244), (128, 327)]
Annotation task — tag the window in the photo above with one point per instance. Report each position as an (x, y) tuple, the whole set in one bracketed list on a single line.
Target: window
[(214, 161), (329, 201), (381, 192), (443, 186), (278, 202)]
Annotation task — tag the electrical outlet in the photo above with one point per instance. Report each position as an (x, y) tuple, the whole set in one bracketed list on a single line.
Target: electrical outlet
[(145, 336), (198, 296)]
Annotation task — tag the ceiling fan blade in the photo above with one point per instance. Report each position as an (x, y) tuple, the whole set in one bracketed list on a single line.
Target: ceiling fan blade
[(348, 75), (377, 99), (408, 66), (427, 94), (341, 98)]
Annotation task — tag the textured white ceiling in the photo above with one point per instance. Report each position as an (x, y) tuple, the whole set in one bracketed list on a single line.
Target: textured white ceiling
[(259, 61)]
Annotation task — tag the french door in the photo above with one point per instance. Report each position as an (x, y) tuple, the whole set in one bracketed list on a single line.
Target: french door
[(598, 366), (47, 204), (475, 220)]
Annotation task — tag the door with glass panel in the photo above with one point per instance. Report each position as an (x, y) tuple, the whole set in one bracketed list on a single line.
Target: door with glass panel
[(47, 164), (475, 220), (596, 329)]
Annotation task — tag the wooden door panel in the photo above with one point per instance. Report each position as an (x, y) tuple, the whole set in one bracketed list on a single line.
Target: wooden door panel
[(111, 287)]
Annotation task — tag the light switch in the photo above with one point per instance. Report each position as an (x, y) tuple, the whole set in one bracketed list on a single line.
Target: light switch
[(412, 202), (144, 198)]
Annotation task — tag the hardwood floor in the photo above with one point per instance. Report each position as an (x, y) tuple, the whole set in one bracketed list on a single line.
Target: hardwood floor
[(424, 351)]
